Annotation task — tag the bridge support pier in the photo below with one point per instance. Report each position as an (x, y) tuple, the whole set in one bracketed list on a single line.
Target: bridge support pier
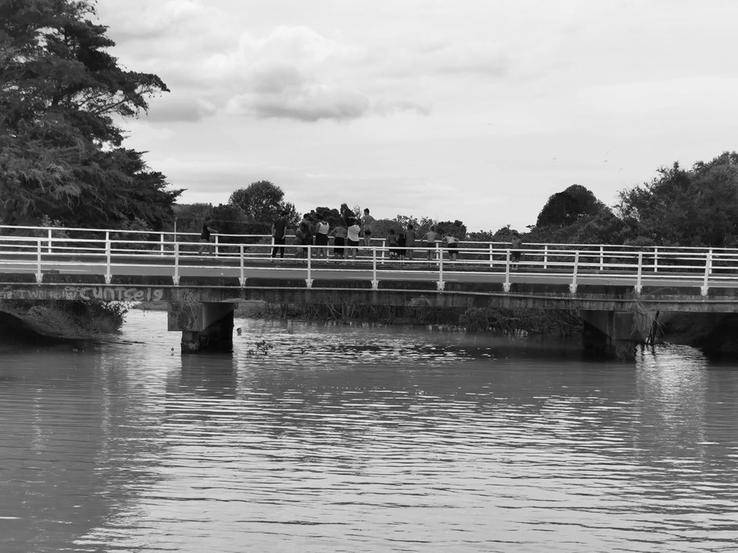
[(204, 326), (611, 334)]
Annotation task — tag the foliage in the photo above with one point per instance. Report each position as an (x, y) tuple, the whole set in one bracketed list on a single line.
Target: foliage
[(263, 202), (455, 228), (564, 208), (190, 217), (503, 234), (60, 151), (230, 219), (696, 207), (331, 215), (601, 228)]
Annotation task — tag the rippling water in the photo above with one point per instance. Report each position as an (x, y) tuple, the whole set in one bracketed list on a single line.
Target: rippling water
[(351, 439)]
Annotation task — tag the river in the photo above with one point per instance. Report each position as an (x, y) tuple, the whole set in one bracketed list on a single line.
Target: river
[(320, 439)]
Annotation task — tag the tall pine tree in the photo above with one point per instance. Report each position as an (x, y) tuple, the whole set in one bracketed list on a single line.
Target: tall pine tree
[(61, 153)]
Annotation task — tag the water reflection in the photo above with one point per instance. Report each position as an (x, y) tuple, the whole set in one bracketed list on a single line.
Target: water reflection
[(351, 439)]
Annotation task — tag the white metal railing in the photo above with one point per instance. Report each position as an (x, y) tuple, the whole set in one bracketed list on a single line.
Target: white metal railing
[(110, 252)]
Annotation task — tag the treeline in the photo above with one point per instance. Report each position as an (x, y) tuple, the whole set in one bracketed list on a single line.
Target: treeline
[(685, 207)]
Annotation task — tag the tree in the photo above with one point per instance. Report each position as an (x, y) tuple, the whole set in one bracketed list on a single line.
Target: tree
[(455, 228), (230, 219), (60, 150), (263, 202), (190, 217), (564, 208), (331, 216), (695, 207)]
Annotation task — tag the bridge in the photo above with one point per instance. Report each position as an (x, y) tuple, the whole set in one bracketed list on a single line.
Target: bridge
[(614, 287)]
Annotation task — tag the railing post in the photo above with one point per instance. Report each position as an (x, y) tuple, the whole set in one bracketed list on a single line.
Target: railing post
[(217, 246), (175, 276), (708, 269), (438, 249), (242, 276), (108, 272), (375, 281), (573, 285), (491, 256), (441, 285), (309, 279), (384, 244), (39, 274), (161, 244), (602, 258), (639, 277), (506, 285), (48, 248), (655, 259), (545, 256)]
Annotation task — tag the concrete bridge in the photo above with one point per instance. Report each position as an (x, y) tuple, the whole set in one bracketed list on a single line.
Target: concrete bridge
[(616, 288)]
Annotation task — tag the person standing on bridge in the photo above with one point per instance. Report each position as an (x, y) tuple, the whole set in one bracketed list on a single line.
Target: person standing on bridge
[(452, 244), (410, 240), (339, 240), (205, 237), (321, 237), (352, 236), (515, 253), (367, 226), (304, 234), (278, 231), (429, 241)]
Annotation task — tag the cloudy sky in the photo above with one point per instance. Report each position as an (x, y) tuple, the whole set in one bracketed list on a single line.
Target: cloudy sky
[(476, 110)]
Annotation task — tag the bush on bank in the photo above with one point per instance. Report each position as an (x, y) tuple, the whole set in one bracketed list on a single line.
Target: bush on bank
[(72, 320)]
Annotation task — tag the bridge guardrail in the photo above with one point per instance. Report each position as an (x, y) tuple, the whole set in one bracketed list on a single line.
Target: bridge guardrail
[(108, 251)]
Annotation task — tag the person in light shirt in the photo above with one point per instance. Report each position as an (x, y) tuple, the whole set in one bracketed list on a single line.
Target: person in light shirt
[(352, 237), (452, 244), (321, 238)]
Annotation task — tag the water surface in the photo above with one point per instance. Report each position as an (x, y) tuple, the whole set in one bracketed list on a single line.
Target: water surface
[(363, 439)]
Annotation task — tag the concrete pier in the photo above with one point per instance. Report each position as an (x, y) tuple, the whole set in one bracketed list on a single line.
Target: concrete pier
[(204, 326), (612, 334)]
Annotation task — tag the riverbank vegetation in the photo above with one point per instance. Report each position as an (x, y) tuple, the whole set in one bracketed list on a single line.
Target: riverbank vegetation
[(60, 320)]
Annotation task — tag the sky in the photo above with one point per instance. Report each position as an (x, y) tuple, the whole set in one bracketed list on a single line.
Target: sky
[(477, 110)]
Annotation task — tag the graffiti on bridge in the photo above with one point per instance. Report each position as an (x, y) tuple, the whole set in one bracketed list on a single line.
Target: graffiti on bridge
[(84, 293)]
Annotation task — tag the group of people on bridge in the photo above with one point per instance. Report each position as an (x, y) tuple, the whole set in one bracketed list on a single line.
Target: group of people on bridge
[(352, 233)]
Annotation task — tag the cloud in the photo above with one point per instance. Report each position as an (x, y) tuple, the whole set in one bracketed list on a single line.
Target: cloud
[(288, 72), (182, 109), (304, 101), (396, 106)]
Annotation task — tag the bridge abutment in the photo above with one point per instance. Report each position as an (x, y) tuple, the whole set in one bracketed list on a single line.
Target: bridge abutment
[(611, 334), (204, 326)]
